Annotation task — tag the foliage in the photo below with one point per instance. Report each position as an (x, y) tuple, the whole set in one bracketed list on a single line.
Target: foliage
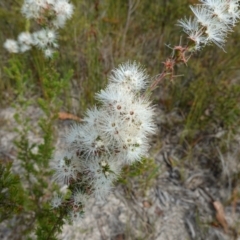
[(11, 203)]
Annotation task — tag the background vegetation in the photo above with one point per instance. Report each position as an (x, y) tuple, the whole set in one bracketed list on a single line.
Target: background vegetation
[(100, 35)]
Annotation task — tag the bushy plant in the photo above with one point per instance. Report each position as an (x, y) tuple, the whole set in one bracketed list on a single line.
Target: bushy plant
[(115, 134)]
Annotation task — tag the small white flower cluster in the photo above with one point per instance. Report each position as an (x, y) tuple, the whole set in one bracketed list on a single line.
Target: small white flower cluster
[(51, 14), (112, 135), (56, 201), (48, 12), (213, 20), (44, 39)]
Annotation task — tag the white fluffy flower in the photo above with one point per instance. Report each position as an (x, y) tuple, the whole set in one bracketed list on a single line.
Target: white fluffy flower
[(216, 36), (226, 11), (130, 75), (111, 127), (92, 116), (75, 216), (79, 198), (110, 136), (25, 41), (66, 167), (203, 15), (11, 46), (25, 38), (39, 39), (48, 52), (40, 10), (30, 8), (63, 11), (233, 10), (89, 143), (74, 135), (101, 176), (56, 201), (107, 130), (44, 38), (194, 30), (115, 97), (51, 14), (63, 8), (132, 149), (213, 20)]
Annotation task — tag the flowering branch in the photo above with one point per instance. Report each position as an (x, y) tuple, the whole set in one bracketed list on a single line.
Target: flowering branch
[(212, 22), (51, 15), (112, 135), (116, 133)]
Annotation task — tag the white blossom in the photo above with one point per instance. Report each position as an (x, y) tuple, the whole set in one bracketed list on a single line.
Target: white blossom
[(56, 201), (75, 216), (48, 52), (25, 41), (110, 136), (44, 38), (131, 75), (59, 10), (79, 198), (194, 30), (66, 167), (51, 15), (11, 46), (213, 20), (25, 38)]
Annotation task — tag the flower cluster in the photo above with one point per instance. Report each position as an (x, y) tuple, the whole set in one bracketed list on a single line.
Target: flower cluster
[(213, 20), (51, 14), (44, 39), (111, 135), (48, 12)]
